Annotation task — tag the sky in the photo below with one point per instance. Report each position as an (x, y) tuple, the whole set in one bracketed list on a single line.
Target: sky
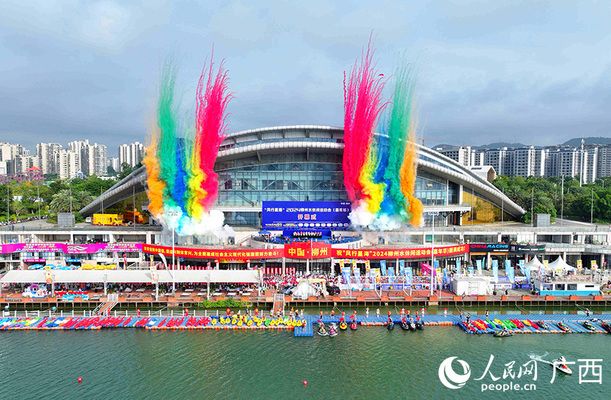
[(536, 72)]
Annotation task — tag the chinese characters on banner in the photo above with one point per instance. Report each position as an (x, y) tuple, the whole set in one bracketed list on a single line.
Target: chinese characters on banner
[(307, 250)]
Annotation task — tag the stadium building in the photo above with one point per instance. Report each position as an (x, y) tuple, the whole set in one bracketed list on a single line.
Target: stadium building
[(304, 163)]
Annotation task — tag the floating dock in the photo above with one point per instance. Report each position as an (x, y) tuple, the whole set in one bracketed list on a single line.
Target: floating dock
[(304, 326)]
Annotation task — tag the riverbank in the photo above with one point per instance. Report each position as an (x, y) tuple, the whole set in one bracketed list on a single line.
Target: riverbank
[(344, 299)]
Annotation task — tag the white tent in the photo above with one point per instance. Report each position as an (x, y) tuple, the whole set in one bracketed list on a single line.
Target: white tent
[(534, 264), (560, 266), (304, 289)]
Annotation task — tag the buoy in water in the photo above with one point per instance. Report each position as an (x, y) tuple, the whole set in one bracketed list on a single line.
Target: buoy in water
[(305, 382), (79, 379)]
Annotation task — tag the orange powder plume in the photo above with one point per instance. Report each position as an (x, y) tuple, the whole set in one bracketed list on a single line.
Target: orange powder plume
[(155, 185)]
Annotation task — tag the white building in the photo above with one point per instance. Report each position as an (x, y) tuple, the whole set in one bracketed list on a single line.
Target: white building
[(604, 161), (8, 151), (96, 159), (69, 164), (131, 154), (48, 155), (114, 163)]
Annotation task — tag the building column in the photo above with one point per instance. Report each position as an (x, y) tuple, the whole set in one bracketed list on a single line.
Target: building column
[(283, 266)]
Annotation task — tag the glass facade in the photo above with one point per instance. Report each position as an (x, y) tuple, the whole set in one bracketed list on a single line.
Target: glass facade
[(248, 182), (299, 176)]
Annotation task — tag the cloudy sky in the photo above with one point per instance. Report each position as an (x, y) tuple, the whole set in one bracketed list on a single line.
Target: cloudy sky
[(534, 72)]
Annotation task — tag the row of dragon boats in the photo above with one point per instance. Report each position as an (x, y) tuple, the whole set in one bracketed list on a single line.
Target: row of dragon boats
[(507, 327), (185, 322)]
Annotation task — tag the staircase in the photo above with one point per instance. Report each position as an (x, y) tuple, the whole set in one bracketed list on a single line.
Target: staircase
[(104, 308), (279, 303)]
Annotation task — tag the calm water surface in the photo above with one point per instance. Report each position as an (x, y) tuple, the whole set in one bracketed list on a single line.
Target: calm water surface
[(368, 364)]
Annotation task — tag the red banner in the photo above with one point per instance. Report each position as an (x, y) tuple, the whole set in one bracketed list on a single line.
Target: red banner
[(405, 253), (214, 254), (305, 250)]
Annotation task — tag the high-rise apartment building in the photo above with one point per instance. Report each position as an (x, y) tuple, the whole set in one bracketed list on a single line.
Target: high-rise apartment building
[(48, 156), (586, 162), (69, 164), (131, 154)]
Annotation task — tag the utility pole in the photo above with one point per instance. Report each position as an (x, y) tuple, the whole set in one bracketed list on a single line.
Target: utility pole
[(70, 199), (134, 205), (562, 199), (38, 199), (8, 204), (532, 207), (592, 207)]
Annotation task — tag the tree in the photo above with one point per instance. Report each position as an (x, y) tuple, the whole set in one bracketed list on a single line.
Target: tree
[(65, 200), (126, 169)]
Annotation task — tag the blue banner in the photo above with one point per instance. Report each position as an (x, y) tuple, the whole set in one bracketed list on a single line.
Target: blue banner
[(401, 267), (409, 273), (305, 214), (479, 266), (511, 274), (383, 267), (495, 270), (507, 265), (458, 266)]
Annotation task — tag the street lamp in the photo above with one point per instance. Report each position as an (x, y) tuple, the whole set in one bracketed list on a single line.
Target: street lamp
[(173, 214), (433, 214)]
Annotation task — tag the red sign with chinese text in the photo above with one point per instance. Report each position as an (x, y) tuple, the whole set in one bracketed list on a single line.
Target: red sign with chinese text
[(214, 254), (307, 250)]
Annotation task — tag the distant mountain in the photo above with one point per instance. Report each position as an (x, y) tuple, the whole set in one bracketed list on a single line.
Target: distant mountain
[(483, 146), (501, 144), (575, 142), (588, 140)]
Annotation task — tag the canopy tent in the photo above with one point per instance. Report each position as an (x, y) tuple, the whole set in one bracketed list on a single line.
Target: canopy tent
[(559, 265), (136, 276), (534, 264), (305, 289)]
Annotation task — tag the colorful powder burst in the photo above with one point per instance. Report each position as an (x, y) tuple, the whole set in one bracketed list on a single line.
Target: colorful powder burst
[(182, 184), (382, 196)]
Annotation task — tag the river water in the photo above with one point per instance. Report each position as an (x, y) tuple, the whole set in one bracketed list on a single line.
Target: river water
[(370, 363)]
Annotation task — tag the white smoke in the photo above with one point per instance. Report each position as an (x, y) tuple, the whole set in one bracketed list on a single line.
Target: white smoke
[(211, 222), (361, 217)]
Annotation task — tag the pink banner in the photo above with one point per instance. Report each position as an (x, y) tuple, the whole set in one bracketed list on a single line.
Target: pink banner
[(84, 248), (124, 247)]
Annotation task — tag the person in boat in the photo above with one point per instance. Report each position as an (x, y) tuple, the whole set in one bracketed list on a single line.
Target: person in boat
[(343, 317), (320, 315), (353, 317), (468, 317), (404, 320), (402, 312), (389, 320)]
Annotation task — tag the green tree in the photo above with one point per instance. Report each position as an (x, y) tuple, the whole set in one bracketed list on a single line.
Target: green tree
[(65, 200)]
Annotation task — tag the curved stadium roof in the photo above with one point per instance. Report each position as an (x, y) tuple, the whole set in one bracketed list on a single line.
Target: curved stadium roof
[(312, 138)]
